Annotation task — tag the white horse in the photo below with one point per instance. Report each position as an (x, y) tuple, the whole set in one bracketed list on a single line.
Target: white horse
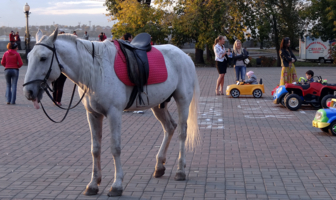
[(106, 96)]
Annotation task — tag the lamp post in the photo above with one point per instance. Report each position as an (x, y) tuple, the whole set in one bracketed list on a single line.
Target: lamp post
[(26, 9)]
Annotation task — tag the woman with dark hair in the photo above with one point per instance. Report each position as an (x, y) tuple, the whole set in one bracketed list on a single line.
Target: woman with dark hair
[(288, 72), (58, 86), (127, 37), (101, 37), (221, 63), (12, 62)]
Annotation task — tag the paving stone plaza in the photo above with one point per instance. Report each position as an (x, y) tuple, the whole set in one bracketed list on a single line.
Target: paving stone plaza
[(251, 149)]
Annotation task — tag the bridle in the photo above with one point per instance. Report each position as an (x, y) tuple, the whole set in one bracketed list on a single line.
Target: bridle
[(44, 85)]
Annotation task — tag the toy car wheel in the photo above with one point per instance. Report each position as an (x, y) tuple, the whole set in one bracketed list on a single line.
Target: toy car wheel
[(332, 128), (326, 129), (235, 93), (283, 100), (257, 93), (293, 102), (327, 98), (316, 105)]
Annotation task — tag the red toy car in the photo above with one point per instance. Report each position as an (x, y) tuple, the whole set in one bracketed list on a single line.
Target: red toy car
[(317, 94)]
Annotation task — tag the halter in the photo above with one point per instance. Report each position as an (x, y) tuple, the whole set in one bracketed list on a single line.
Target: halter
[(44, 85)]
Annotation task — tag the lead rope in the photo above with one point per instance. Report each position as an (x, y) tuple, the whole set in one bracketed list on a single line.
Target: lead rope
[(46, 86), (73, 93), (53, 100)]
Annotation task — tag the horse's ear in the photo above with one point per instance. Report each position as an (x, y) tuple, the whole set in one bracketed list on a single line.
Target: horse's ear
[(39, 35), (54, 35)]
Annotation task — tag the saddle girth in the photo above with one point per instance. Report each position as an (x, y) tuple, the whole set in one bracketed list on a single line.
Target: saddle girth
[(137, 64)]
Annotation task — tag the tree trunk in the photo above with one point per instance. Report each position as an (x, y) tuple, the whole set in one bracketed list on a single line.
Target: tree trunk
[(208, 53), (199, 56), (261, 44), (276, 41)]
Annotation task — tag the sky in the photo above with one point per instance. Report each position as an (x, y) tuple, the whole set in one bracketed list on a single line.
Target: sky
[(45, 12)]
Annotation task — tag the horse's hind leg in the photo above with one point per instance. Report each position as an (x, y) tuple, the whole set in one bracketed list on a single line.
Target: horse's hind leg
[(169, 127), (95, 122), (183, 99)]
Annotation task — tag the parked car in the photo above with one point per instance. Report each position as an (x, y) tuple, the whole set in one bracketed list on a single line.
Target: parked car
[(241, 88), (325, 119)]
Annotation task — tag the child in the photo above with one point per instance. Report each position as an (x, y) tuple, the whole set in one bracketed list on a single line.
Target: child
[(252, 78), (309, 76)]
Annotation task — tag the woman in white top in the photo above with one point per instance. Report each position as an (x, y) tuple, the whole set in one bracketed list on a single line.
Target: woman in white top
[(221, 63)]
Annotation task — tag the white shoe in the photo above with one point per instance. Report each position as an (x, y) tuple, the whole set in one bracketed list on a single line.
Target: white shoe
[(139, 112)]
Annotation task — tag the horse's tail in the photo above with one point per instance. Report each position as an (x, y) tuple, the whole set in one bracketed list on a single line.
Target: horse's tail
[(193, 133)]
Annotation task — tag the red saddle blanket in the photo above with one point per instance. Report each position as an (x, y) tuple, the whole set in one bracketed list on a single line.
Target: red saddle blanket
[(157, 66)]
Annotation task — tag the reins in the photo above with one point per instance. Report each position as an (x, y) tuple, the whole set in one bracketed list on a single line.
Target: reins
[(44, 85)]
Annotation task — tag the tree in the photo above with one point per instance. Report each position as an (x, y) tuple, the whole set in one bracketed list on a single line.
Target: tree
[(321, 17), (134, 17), (113, 5), (283, 16), (202, 21)]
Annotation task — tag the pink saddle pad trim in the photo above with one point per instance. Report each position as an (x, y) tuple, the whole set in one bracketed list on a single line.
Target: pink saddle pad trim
[(157, 67)]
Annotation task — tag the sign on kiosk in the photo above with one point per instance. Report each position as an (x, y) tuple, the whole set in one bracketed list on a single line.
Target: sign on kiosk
[(316, 49)]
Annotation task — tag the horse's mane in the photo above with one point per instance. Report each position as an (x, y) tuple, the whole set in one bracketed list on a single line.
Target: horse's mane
[(90, 73)]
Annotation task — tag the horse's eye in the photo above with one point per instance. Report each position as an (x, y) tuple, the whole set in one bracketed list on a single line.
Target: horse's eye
[(43, 59)]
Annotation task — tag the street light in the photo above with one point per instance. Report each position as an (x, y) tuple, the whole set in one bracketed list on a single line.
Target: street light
[(26, 9)]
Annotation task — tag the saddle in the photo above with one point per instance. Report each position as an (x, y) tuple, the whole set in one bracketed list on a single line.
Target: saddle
[(137, 64)]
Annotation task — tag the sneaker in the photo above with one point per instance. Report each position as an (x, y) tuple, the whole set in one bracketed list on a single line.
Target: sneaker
[(139, 112), (8, 103)]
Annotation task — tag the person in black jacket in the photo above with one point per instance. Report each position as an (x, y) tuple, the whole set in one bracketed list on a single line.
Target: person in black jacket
[(58, 85), (288, 72), (238, 56)]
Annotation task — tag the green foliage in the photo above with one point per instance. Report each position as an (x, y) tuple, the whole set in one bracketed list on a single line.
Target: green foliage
[(274, 19), (333, 53), (267, 61), (322, 15), (202, 21), (134, 17)]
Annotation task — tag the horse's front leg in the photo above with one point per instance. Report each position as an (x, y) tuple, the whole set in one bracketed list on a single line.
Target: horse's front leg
[(95, 122), (114, 117), (169, 127)]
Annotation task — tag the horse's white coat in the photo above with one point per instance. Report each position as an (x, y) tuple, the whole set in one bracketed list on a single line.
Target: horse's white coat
[(106, 96)]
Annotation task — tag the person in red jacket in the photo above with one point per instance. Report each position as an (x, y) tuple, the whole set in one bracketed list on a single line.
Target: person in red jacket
[(12, 62), (18, 40), (104, 37), (12, 36)]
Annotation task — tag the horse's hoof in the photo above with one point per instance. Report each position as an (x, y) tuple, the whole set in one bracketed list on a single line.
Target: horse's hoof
[(180, 176), (99, 180), (159, 173), (115, 192), (91, 191)]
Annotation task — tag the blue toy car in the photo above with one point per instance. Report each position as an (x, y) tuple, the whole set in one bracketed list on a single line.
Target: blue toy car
[(325, 119), (279, 95)]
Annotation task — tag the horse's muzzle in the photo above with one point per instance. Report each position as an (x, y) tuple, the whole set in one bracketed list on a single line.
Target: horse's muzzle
[(33, 93)]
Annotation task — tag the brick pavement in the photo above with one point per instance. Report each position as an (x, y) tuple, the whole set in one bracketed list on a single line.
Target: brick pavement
[(251, 149)]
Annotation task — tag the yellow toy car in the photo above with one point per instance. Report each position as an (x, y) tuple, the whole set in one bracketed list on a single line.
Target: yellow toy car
[(242, 88)]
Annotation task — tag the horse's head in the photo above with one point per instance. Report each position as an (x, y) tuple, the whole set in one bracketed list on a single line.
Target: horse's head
[(42, 67)]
